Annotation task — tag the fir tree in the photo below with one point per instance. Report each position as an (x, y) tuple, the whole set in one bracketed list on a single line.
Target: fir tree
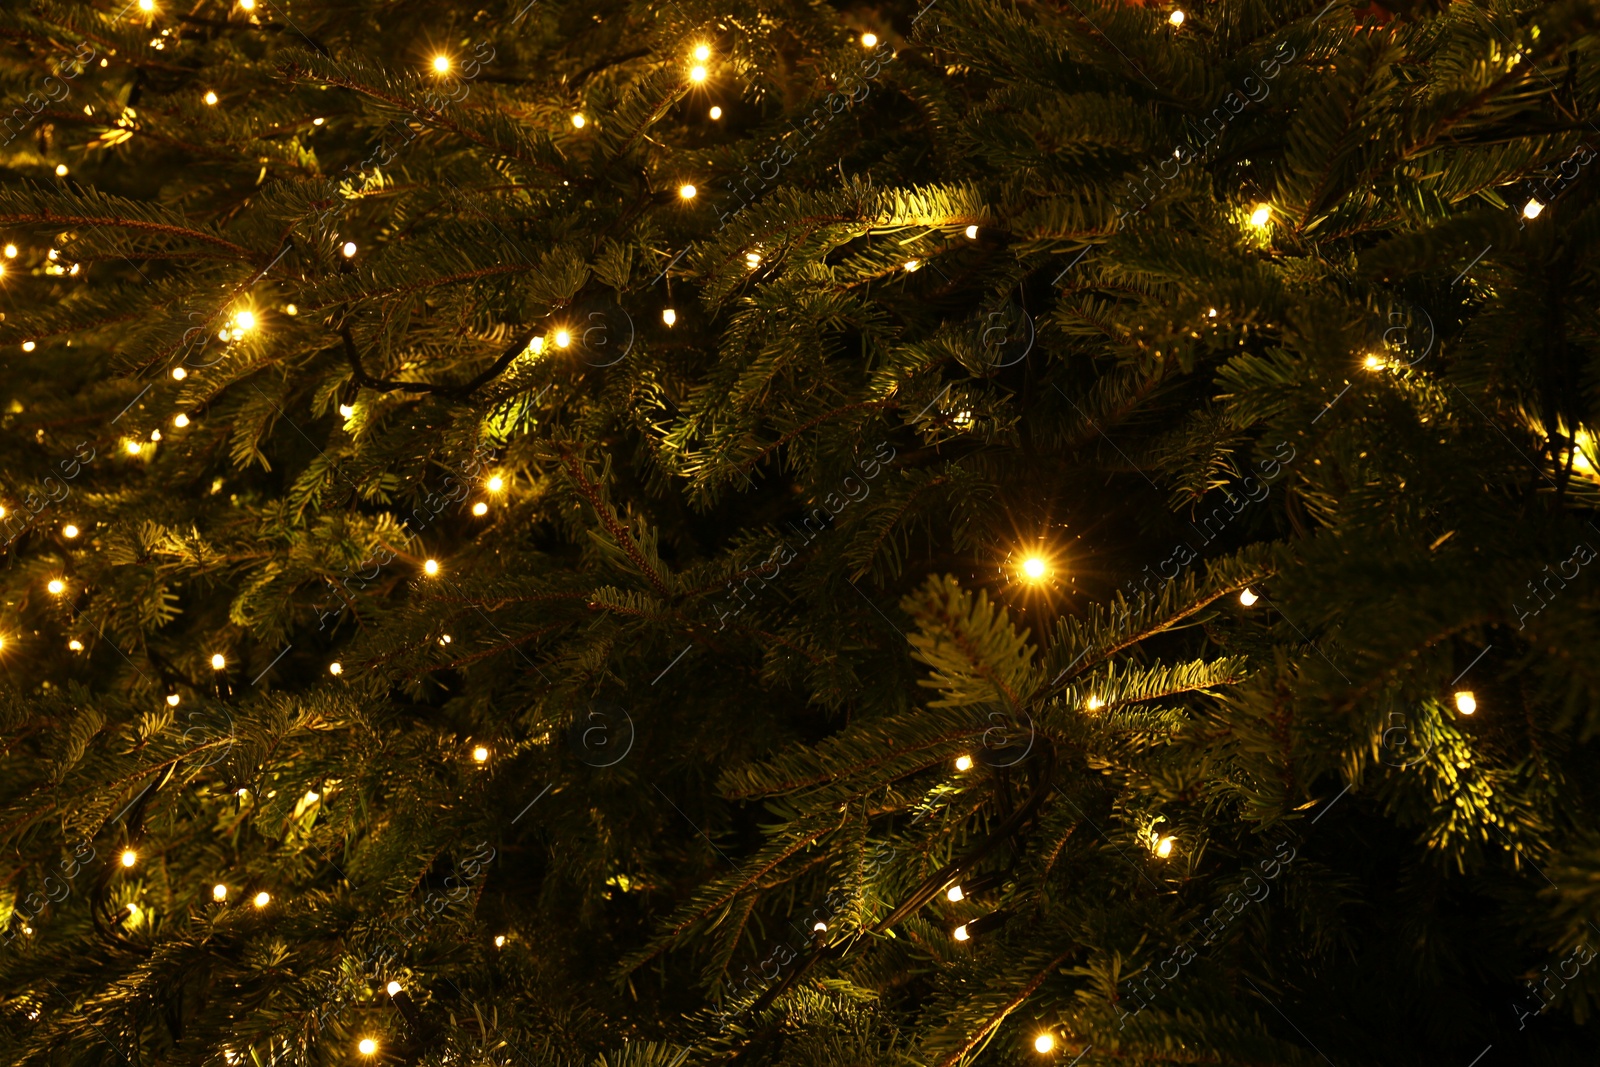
[(671, 532)]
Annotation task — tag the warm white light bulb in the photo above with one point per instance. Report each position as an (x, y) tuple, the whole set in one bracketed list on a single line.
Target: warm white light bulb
[(69, 530), (578, 120), (245, 320), (1248, 597), (11, 251), (954, 894), (1532, 209), (218, 662), (1164, 847), (1466, 703), (211, 97), (1044, 1043), (913, 265), (480, 509), (263, 899), (180, 420), (335, 668), (290, 309), (219, 892), (972, 233), (716, 113), (697, 74), (129, 857), (1034, 568), (963, 763), (1094, 703), (367, 1046), (173, 699), (392, 988), (75, 645), (346, 410), (1176, 18), (430, 567), (495, 483), (147, 5), (687, 192), (480, 754), (499, 940), (179, 374), (702, 52), (349, 249), (1261, 215), (441, 64), (869, 40), (27, 346), (132, 447), (961, 933), (57, 586), (1373, 363), (669, 316), (563, 338), (752, 260)]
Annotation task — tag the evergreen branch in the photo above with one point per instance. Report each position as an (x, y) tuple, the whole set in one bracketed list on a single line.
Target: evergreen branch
[(1016, 1001)]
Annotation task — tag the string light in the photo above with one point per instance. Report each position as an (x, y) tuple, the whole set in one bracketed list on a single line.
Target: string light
[(716, 113), (1045, 1043), (687, 192), (245, 320), (27, 346), (219, 892), (1094, 703), (430, 567), (702, 52), (563, 338), (752, 260), (1466, 703), (1373, 363), (173, 699), (1035, 569), (312, 796), (11, 251), (147, 5), (961, 933), (480, 509), (963, 763), (1532, 209), (262, 899), (132, 447), (75, 645), (499, 940), (392, 988), (1176, 18), (697, 74), (480, 755), (578, 120), (972, 233), (913, 265), (869, 40), (180, 420), (336, 668), (669, 316), (179, 374), (1164, 846), (1248, 597), (441, 64), (349, 249), (367, 1046), (129, 857), (69, 531), (445, 640), (1261, 215), (211, 98), (1211, 314), (61, 170), (57, 586), (954, 894), (346, 410), (495, 483), (290, 309)]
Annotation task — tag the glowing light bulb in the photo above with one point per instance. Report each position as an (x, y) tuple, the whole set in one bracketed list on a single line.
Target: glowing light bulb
[(180, 420), (346, 410), (290, 309), (147, 5), (1211, 314), (687, 192), (1094, 703), (913, 265), (129, 857), (61, 170), (367, 1046), (155, 435), (697, 74), (75, 645), (179, 374), (219, 892), (312, 796), (702, 52), (869, 40), (1164, 847), (392, 988), (972, 233), (1466, 703), (563, 338), (1532, 209), (495, 483), (1261, 215), (11, 251), (349, 249), (173, 699), (132, 447), (27, 346), (669, 316), (1034, 569), (499, 940), (210, 97), (430, 567), (218, 662), (963, 763), (480, 754), (245, 320), (1248, 597), (1373, 363), (441, 64), (335, 668), (961, 933), (954, 894), (262, 900), (1176, 18), (69, 530), (445, 640), (57, 586), (578, 120), (1044, 1043), (480, 509), (248, 5), (752, 260), (716, 113)]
